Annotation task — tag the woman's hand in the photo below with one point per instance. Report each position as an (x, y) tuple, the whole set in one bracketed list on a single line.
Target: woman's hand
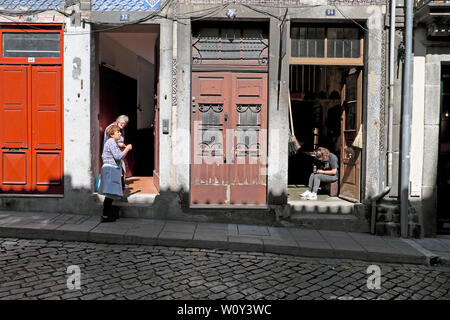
[(127, 148), (320, 171)]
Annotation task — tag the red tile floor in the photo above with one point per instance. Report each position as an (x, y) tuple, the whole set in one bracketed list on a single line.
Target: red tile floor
[(140, 185)]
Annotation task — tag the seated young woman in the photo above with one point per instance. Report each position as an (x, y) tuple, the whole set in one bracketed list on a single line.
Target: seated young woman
[(327, 172)]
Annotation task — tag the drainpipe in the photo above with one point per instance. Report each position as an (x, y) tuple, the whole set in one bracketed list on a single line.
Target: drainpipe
[(406, 123), (391, 92)]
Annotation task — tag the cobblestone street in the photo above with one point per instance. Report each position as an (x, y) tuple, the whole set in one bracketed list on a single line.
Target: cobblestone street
[(37, 269)]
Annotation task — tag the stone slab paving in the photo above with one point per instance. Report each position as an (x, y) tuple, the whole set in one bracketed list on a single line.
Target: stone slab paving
[(286, 240), (38, 270)]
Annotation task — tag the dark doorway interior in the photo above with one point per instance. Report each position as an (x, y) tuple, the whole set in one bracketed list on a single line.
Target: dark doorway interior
[(118, 95), (316, 110), (443, 183)]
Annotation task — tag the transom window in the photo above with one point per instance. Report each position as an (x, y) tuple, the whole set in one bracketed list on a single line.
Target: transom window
[(326, 45), (17, 44)]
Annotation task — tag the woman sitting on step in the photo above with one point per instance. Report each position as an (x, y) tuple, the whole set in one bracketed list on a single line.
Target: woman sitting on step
[(327, 173)]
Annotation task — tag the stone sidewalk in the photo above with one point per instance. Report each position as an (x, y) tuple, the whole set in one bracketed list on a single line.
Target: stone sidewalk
[(236, 237)]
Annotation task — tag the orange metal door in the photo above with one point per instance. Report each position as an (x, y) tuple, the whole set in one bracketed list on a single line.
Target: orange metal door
[(350, 171), (209, 118), (249, 125), (15, 160), (47, 129)]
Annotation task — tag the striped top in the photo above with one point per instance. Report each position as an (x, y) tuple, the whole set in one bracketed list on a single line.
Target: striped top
[(111, 153)]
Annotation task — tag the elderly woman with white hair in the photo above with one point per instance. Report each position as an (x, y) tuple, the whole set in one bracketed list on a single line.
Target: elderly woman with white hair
[(122, 122)]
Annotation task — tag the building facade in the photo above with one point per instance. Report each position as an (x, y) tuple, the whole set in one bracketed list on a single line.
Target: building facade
[(213, 90)]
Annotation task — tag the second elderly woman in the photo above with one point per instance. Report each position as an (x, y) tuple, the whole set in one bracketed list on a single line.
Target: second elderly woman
[(111, 183)]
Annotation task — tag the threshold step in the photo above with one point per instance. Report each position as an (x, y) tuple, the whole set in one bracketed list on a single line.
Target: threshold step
[(132, 200), (333, 222), (322, 207), (322, 217)]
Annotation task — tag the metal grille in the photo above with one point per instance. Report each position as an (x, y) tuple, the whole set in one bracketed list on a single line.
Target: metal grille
[(229, 44), (210, 113)]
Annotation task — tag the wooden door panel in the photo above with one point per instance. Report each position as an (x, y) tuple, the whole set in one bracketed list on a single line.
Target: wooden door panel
[(350, 166), (47, 153), (248, 194), (46, 108), (210, 115), (229, 122), (209, 194), (15, 160), (13, 106), (248, 177), (15, 168), (248, 87), (211, 88), (48, 168)]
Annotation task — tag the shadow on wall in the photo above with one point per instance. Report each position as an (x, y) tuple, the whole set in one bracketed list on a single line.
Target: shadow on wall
[(74, 200)]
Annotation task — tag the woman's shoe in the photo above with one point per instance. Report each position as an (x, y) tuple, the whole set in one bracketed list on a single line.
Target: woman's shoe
[(312, 196), (305, 194), (107, 219)]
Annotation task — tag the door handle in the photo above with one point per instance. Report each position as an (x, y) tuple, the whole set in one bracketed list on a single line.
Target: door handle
[(225, 117)]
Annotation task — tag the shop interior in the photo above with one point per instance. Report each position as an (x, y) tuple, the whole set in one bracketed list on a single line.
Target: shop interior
[(315, 93)]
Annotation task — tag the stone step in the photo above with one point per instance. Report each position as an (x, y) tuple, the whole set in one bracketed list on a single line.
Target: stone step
[(324, 221), (321, 207), (134, 206)]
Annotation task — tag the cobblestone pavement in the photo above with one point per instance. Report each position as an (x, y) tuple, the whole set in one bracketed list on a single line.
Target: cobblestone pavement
[(37, 269)]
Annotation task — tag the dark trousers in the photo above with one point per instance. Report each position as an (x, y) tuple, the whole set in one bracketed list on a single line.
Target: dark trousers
[(107, 207), (316, 178)]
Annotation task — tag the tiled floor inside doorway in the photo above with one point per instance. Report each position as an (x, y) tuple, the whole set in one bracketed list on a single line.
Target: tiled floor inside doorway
[(140, 185)]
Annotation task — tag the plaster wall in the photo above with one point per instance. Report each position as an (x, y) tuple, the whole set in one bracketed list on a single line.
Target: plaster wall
[(117, 56), (165, 101), (417, 128)]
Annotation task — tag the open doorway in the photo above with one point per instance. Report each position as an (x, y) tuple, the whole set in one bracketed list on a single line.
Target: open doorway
[(443, 181), (326, 104), (128, 80)]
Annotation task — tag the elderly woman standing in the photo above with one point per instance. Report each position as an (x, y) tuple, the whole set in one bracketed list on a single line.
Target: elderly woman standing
[(122, 122), (111, 184)]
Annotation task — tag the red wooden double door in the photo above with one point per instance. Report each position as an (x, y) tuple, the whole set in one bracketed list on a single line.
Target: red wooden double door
[(31, 159), (229, 138)]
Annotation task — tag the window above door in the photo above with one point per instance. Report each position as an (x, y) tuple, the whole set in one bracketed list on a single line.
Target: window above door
[(31, 44), (330, 45)]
